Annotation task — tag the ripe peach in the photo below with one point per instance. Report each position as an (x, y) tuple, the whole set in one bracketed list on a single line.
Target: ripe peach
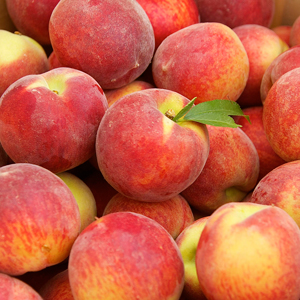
[(145, 155), (174, 214), (40, 219), (197, 61), (111, 40), (125, 255)]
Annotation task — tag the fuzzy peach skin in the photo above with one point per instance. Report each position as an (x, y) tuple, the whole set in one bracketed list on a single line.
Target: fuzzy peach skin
[(111, 40), (295, 33), (286, 61), (32, 17), (174, 214), (14, 289), (230, 172), (268, 159), (51, 119), (83, 196), (281, 115), (284, 32), (57, 288), (187, 243), (125, 255), (249, 251), (40, 219), (262, 45), (198, 60), (115, 94), (169, 16), (281, 187), (20, 56), (145, 155), (234, 13)]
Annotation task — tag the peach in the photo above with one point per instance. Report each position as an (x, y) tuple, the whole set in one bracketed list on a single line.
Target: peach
[(83, 196), (14, 289), (286, 61), (31, 18), (249, 251), (40, 219), (281, 115), (262, 45), (280, 187), (159, 157), (284, 32), (268, 159), (20, 56), (115, 94), (197, 61), (187, 243), (51, 119), (174, 214), (235, 13), (125, 255), (57, 288), (295, 33), (111, 40), (169, 16), (230, 172)]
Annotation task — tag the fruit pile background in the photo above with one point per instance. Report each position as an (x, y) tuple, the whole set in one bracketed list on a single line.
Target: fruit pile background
[(122, 177)]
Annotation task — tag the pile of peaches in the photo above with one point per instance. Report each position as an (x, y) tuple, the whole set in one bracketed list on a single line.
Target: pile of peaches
[(149, 149)]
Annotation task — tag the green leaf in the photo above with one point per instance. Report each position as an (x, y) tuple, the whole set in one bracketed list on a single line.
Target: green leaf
[(184, 110), (216, 113)]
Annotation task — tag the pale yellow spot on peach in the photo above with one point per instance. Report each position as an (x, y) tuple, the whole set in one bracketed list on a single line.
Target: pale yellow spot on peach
[(14, 46), (167, 128), (172, 101)]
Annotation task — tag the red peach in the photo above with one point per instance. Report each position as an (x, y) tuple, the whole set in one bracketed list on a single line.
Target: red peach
[(249, 251), (51, 119), (230, 172), (111, 40), (40, 219), (281, 115), (14, 289), (198, 60), (145, 155), (281, 188), (125, 255), (174, 214), (235, 13), (115, 94), (262, 45), (283, 63), (169, 16), (268, 159), (32, 17)]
